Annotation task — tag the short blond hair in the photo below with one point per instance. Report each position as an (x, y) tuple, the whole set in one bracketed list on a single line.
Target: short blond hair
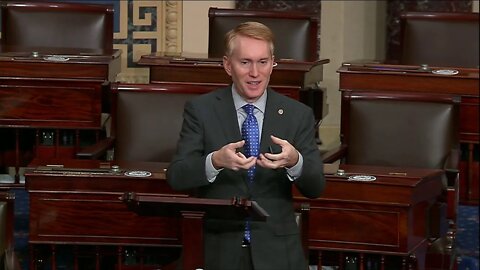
[(254, 30)]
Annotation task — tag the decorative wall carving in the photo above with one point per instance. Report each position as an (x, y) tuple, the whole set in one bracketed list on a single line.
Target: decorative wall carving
[(146, 27)]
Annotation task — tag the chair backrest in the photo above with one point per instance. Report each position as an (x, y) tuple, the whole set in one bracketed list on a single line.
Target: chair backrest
[(148, 117), (439, 39), (296, 33), (399, 129), (45, 26)]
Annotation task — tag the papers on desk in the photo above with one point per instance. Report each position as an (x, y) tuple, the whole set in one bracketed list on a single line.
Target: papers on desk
[(56, 58), (138, 174), (362, 178), (445, 72)]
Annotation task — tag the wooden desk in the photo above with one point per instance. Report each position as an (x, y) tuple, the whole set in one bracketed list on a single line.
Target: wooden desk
[(296, 79), (387, 216), (382, 77), (45, 93), (81, 204), (178, 68), (85, 209)]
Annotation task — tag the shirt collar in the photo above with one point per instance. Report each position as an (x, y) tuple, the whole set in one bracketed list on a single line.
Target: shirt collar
[(239, 102)]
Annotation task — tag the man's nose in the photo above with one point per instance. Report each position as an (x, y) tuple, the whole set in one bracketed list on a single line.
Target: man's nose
[(253, 70)]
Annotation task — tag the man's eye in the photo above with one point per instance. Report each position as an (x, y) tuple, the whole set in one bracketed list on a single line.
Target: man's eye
[(243, 62)]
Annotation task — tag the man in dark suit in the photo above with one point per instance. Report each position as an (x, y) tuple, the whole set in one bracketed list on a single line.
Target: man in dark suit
[(215, 161)]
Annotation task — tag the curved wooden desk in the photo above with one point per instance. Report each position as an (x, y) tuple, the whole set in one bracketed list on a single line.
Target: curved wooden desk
[(376, 76), (81, 207)]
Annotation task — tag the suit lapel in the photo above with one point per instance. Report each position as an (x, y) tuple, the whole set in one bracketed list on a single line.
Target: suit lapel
[(273, 120), (225, 111)]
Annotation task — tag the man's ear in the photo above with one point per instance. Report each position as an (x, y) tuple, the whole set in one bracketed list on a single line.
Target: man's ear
[(227, 65), (274, 64)]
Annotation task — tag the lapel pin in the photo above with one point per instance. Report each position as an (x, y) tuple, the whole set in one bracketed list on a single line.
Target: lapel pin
[(280, 111)]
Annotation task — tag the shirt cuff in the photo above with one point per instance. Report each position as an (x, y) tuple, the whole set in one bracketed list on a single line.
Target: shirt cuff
[(294, 172), (210, 170)]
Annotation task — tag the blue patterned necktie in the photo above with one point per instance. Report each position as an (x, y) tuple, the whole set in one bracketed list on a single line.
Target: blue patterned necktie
[(250, 134)]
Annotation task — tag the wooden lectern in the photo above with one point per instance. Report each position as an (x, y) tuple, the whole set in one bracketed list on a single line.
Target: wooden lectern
[(192, 212)]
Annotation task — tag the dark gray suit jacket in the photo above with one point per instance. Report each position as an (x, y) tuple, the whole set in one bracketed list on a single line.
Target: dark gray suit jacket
[(210, 122)]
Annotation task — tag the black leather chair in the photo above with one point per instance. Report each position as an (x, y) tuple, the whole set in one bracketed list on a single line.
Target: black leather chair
[(439, 39), (48, 26), (399, 129), (296, 33), (8, 258), (406, 130), (146, 121)]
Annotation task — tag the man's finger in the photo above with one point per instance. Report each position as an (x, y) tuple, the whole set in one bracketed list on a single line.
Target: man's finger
[(236, 145)]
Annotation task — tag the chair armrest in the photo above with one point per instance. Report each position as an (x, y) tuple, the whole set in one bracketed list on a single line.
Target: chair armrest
[(452, 193), (453, 160), (453, 179), (335, 154), (11, 261), (302, 214), (97, 150), (8, 259)]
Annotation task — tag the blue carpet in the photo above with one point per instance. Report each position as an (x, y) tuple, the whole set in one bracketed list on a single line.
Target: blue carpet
[(467, 242), (21, 226), (467, 237)]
